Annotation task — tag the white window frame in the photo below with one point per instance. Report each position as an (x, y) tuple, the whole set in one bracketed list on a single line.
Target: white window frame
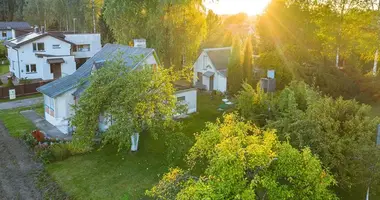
[(28, 69), (204, 62)]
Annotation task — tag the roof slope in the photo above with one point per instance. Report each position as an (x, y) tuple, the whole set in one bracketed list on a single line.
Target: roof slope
[(14, 25), (108, 52), (219, 57), (30, 37)]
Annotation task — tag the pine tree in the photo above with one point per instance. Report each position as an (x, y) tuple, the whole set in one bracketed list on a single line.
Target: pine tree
[(235, 72), (248, 61)]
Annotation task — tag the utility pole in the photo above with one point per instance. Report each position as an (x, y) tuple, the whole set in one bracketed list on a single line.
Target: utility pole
[(93, 15)]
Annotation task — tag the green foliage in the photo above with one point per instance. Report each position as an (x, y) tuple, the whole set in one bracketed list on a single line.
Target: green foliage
[(214, 36), (235, 70), (174, 29), (254, 104), (341, 132), (10, 83), (248, 61), (243, 161), (131, 101), (29, 139), (60, 151)]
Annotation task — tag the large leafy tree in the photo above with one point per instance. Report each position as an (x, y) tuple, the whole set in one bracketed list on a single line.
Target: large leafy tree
[(244, 162), (341, 132), (131, 101), (174, 29)]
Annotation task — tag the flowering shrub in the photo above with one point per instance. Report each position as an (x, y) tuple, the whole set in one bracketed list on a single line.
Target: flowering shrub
[(40, 137)]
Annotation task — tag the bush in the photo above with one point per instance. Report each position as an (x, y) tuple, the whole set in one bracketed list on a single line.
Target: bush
[(44, 153), (60, 151), (10, 83), (29, 139)]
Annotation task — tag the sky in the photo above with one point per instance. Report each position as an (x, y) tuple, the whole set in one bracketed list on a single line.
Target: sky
[(251, 7)]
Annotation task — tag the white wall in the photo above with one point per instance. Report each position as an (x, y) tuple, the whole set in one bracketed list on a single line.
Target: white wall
[(93, 40), (63, 111), (220, 82), (67, 68), (190, 99)]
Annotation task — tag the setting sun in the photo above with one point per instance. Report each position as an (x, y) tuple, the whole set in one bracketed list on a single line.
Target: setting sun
[(251, 7)]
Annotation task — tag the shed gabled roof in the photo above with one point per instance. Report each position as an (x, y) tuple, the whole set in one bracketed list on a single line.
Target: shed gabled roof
[(14, 25), (219, 57), (131, 56), (30, 37)]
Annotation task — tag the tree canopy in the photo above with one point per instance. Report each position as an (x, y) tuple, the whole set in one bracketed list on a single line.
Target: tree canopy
[(244, 162), (341, 132), (174, 29), (130, 101)]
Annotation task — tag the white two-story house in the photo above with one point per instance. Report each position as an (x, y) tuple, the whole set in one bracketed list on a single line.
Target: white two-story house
[(44, 55), (10, 30)]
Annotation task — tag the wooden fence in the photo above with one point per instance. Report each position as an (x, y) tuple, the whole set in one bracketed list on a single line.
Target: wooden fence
[(22, 90)]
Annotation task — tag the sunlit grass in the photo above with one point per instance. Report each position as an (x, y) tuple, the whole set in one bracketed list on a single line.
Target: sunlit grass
[(106, 174)]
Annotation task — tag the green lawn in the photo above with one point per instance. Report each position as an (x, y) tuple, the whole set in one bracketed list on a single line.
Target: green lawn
[(4, 69), (20, 98), (106, 174), (15, 122)]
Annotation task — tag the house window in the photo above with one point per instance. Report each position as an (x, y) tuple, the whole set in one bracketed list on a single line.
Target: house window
[(56, 46), (32, 68), (4, 34), (82, 48), (49, 105), (39, 46), (181, 99)]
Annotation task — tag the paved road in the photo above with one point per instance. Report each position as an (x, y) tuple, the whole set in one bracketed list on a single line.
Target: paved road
[(21, 103), (16, 169)]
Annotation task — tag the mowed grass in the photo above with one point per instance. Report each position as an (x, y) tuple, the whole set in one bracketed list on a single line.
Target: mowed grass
[(4, 69), (16, 123), (106, 174)]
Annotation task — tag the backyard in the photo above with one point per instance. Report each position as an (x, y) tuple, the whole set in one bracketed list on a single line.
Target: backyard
[(107, 174)]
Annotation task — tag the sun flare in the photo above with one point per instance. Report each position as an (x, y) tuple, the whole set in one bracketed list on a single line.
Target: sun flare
[(251, 7)]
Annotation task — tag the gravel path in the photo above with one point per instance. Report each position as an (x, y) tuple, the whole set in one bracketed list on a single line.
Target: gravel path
[(21, 103), (16, 169)]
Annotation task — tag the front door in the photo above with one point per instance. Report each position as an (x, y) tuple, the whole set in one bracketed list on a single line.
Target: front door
[(55, 69), (211, 83)]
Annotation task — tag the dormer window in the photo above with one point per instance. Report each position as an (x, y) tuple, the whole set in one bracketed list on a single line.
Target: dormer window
[(39, 46)]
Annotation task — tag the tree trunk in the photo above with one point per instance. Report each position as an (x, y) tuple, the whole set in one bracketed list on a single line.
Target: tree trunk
[(374, 71), (135, 141), (337, 58)]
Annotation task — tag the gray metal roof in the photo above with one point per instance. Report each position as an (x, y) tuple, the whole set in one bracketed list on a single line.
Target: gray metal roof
[(14, 25), (219, 57), (30, 37), (108, 52)]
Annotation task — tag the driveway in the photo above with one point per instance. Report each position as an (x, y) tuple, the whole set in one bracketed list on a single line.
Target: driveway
[(21, 103), (16, 169)]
